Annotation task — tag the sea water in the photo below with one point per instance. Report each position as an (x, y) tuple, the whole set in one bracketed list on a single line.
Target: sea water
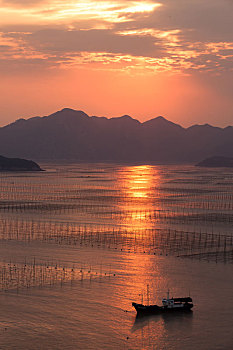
[(81, 242)]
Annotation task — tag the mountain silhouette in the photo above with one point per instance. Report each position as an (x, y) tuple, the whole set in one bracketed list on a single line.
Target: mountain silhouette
[(17, 164), (73, 135)]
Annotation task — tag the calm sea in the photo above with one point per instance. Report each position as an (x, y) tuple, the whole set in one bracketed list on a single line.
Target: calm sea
[(81, 242)]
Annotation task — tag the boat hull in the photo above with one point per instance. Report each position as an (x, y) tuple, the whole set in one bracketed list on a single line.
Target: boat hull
[(155, 309)]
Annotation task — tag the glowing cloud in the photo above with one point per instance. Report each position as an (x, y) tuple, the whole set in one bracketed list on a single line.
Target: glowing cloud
[(104, 10), (113, 12)]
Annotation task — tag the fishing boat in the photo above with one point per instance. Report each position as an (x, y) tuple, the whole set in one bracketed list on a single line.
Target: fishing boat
[(169, 305)]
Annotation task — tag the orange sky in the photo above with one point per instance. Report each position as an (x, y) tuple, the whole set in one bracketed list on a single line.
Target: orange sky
[(143, 58)]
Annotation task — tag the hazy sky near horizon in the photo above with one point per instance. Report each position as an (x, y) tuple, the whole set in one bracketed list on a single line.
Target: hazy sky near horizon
[(143, 58)]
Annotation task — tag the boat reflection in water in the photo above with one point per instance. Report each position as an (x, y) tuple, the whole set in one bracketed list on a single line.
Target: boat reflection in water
[(163, 321), (156, 331)]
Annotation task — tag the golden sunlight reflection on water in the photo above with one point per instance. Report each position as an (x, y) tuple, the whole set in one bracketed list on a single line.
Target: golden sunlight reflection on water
[(138, 181), (139, 188)]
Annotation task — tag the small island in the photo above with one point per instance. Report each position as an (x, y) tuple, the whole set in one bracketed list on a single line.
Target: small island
[(217, 162), (17, 164)]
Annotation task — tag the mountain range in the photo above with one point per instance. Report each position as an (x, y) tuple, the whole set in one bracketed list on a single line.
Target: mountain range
[(73, 135)]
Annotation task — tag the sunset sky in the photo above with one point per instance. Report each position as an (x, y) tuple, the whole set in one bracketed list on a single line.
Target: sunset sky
[(143, 58)]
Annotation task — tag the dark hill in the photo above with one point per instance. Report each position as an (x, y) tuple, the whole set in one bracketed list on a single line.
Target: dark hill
[(73, 135), (216, 162), (17, 164)]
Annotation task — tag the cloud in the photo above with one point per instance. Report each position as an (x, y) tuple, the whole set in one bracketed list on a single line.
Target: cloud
[(179, 35), (21, 3), (95, 41), (150, 50), (209, 20)]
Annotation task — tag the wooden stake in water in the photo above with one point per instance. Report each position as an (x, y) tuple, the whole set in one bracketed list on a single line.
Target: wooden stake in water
[(148, 299)]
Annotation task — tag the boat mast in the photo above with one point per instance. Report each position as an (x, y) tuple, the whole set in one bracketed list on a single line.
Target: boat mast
[(168, 296), (141, 296)]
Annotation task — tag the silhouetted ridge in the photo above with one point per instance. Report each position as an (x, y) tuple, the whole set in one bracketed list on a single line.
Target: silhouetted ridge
[(161, 122), (17, 164), (16, 122), (73, 135), (125, 117), (67, 113)]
